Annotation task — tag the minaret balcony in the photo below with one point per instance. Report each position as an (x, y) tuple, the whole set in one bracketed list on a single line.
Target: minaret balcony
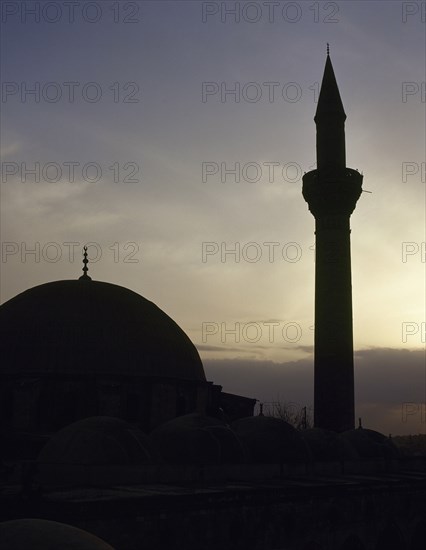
[(329, 193)]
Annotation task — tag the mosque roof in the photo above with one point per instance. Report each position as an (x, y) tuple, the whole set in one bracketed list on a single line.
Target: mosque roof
[(84, 326)]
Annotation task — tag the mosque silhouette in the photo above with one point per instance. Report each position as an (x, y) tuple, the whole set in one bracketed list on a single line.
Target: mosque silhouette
[(111, 432)]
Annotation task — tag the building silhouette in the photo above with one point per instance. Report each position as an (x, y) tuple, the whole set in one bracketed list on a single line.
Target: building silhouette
[(111, 436), (331, 192), (73, 349)]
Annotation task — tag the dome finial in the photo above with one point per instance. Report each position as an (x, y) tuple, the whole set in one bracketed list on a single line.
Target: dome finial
[(85, 276), (328, 48)]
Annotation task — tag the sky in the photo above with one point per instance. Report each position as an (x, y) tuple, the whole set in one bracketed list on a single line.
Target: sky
[(171, 138)]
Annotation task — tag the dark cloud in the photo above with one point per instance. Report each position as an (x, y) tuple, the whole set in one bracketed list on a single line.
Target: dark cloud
[(305, 349), (390, 385), (207, 347)]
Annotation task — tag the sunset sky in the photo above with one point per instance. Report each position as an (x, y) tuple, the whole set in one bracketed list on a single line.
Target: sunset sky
[(169, 134)]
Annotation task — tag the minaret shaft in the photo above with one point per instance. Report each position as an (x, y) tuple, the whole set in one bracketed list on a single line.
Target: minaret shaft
[(332, 192), (331, 150), (334, 378)]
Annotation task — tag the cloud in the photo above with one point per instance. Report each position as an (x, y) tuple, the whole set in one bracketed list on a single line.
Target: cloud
[(389, 385), (10, 149), (223, 349)]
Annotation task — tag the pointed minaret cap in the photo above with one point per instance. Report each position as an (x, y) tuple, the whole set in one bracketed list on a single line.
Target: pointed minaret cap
[(85, 276), (329, 101)]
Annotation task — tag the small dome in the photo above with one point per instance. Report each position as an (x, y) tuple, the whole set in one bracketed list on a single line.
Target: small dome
[(84, 326), (370, 444), (271, 440), (41, 534), (232, 450), (326, 445), (197, 439), (97, 440)]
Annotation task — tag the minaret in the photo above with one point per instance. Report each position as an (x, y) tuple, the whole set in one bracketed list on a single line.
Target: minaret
[(331, 192)]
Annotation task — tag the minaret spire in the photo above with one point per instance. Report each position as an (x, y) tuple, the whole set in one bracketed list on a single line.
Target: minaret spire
[(331, 192), (330, 119), (329, 101)]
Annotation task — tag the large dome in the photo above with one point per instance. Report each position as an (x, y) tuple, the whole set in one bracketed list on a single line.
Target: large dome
[(85, 326)]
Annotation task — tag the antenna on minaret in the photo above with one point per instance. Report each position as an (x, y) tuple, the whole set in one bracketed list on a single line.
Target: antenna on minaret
[(85, 276), (328, 48)]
